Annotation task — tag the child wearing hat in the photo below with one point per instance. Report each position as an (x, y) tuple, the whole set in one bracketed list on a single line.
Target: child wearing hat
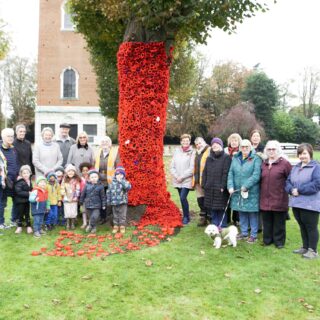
[(70, 192), (60, 175), (22, 189), (117, 197), (54, 196), (94, 199), (39, 205)]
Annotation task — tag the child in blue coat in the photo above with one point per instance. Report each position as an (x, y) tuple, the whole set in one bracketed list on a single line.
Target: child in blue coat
[(117, 197), (39, 205)]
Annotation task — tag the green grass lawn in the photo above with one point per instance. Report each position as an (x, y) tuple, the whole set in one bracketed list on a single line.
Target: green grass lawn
[(188, 279)]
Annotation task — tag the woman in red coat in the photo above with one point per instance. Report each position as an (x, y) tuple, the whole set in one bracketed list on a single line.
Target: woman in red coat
[(273, 197)]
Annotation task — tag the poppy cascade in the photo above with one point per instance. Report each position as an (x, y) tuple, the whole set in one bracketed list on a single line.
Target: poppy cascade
[(143, 71)]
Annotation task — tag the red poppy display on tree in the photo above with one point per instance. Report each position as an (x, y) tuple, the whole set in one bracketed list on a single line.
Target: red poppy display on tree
[(143, 87)]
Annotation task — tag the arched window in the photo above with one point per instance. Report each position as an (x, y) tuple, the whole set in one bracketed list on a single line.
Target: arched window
[(66, 18), (69, 83)]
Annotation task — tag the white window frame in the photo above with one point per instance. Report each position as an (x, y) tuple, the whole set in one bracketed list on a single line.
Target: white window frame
[(61, 84), (63, 13)]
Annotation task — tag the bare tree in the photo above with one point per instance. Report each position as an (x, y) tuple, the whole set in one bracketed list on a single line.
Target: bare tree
[(309, 88), (19, 77)]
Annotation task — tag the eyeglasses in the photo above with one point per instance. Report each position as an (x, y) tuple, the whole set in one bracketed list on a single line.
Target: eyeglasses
[(271, 149), (245, 147)]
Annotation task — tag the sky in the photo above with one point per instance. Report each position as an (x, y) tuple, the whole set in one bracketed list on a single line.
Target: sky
[(283, 40)]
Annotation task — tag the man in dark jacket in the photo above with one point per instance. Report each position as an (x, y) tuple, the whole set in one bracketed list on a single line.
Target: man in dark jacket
[(65, 141), (11, 171), (23, 147)]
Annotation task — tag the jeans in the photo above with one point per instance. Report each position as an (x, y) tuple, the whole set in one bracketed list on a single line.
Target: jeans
[(37, 221), (308, 222), (183, 194), (249, 219), (52, 217), (93, 216), (4, 194), (216, 218)]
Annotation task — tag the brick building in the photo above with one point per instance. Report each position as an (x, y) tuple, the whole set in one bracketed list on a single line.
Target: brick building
[(66, 81)]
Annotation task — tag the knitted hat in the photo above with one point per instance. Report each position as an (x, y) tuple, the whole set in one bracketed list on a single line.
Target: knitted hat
[(92, 171), (51, 174), (25, 167), (70, 167), (40, 178), (120, 170), (59, 169), (218, 141)]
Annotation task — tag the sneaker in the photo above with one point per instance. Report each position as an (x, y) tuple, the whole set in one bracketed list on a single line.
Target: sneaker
[(202, 222), (93, 230), (3, 227), (115, 229), (185, 220), (42, 232), (310, 254), (83, 226), (242, 237), (88, 228), (29, 230), (300, 251), (252, 240), (122, 229), (37, 234), (12, 224), (19, 230)]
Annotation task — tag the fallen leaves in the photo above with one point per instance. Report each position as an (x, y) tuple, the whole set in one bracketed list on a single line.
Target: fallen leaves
[(86, 277), (148, 263), (306, 305), (71, 244), (257, 291)]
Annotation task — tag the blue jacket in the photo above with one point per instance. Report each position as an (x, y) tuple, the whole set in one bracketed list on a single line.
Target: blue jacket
[(307, 180), (93, 196), (245, 173), (117, 192)]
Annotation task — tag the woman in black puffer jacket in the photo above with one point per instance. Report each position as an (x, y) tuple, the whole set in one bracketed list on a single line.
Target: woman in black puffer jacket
[(214, 182)]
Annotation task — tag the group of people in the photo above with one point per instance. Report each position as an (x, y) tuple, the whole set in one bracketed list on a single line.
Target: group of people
[(252, 185), (69, 179)]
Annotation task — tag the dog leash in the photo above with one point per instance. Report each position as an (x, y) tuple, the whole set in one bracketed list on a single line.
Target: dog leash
[(226, 208)]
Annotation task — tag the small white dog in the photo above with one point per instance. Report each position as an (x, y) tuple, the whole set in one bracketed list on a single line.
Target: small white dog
[(229, 234)]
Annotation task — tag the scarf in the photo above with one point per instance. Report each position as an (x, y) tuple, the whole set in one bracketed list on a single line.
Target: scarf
[(232, 151), (186, 149)]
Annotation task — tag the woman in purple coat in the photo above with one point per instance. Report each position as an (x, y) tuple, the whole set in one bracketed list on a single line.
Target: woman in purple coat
[(273, 197), (303, 185)]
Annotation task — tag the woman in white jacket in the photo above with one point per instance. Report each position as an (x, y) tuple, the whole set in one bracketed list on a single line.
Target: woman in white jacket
[(182, 166)]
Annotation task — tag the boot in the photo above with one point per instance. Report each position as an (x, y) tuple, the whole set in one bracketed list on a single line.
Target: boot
[(202, 221), (19, 230), (72, 224), (68, 224), (84, 219), (115, 229), (186, 219)]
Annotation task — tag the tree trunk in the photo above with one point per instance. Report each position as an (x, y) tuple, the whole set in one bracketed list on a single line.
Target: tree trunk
[(143, 71)]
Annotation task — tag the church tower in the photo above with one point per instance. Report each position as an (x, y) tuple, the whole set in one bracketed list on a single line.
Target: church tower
[(66, 81)]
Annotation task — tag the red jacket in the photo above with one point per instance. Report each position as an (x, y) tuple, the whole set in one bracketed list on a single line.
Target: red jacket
[(273, 196)]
